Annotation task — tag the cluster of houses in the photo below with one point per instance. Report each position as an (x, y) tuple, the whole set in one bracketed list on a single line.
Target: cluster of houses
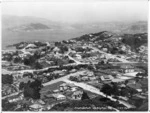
[(66, 91), (85, 77)]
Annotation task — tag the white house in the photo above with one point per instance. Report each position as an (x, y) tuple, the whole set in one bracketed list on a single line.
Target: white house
[(78, 56), (107, 78), (77, 95), (127, 68), (58, 96), (35, 107)]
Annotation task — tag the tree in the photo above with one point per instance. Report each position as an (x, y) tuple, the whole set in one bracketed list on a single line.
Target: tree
[(115, 89), (37, 84), (72, 78), (122, 52), (132, 92), (63, 49), (84, 96), (31, 93), (124, 92), (141, 75), (36, 55), (71, 61), (59, 62), (27, 74), (37, 65), (29, 61), (6, 106), (114, 50), (107, 89), (32, 89), (8, 57), (126, 82), (17, 59), (7, 79), (21, 85)]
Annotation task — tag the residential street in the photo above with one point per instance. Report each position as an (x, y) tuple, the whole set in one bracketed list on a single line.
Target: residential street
[(63, 78), (97, 91)]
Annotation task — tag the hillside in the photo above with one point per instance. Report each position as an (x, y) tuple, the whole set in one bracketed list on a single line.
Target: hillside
[(135, 40), (30, 27), (112, 40)]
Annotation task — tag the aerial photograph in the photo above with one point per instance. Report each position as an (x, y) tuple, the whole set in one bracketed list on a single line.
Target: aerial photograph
[(74, 55)]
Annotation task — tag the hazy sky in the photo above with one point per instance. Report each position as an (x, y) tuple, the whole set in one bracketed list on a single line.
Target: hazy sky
[(80, 11)]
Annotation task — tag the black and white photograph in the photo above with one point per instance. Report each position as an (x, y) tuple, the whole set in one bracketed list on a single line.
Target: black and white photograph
[(74, 55)]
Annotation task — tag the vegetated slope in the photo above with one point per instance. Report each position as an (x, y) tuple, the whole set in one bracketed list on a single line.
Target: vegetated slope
[(135, 40), (95, 36), (105, 37), (144, 107)]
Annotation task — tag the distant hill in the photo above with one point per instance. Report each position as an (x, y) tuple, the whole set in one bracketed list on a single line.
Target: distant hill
[(116, 27), (144, 107), (9, 21), (30, 27)]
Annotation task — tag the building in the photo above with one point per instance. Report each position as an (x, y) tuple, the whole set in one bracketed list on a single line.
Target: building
[(107, 78), (85, 78), (77, 95), (15, 98), (127, 68), (116, 80), (78, 56), (35, 107), (56, 49), (59, 96), (60, 72), (63, 87), (104, 49), (92, 78)]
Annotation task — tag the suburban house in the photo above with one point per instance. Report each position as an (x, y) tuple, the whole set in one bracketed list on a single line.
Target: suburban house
[(78, 56), (17, 76), (106, 78), (127, 68), (36, 107), (15, 98), (59, 96), (77, 95), (56, 49), (63, 87), (71, 87)]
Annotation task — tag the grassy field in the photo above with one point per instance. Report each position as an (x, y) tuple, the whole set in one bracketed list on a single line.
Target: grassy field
[(51, 87)]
